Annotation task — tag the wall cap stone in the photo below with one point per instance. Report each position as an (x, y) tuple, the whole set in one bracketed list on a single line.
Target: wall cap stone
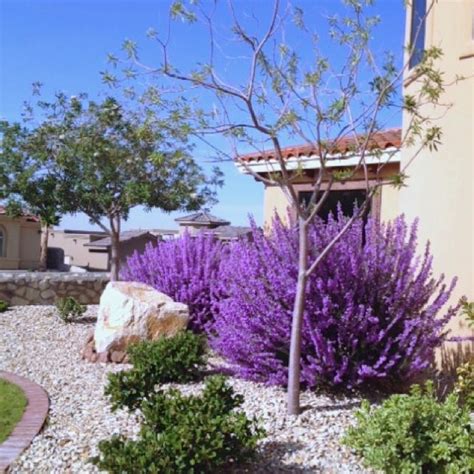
[(8, 276)]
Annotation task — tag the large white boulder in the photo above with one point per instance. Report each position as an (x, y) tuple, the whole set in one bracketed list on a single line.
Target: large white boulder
[(131, 312)]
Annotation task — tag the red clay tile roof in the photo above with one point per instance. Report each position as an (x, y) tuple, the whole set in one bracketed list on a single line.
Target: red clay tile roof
[(390, 138), (25, 214)]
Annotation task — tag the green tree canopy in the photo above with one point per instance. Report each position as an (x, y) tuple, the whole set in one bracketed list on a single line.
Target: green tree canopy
[(25, 183), (105, 159)]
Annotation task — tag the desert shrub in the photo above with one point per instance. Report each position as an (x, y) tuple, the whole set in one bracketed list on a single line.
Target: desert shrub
[(372, 308), (185, 269), (176, 359), (467, 309), (69, 308), (185, 434), (465, 372), (415, 433), (465, 384), (3, 306)]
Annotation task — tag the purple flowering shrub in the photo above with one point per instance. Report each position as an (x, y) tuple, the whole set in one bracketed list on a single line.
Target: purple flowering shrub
[(372, 307), (185, 269)]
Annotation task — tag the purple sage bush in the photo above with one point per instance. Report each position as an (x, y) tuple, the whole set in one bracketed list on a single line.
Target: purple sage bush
[(373, 309), (185, 268)]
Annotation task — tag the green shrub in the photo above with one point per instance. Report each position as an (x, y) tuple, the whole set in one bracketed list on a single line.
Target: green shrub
[(69, 309), (465, 384), (176, 359), (415, 434), (3, 306), (467, 310), (185, 434)]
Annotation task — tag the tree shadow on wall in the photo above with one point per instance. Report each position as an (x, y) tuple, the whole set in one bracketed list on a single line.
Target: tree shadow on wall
[(451, 356)]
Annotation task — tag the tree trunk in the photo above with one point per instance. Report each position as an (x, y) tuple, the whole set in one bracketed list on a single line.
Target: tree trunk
[(294, 368), (43, 261), (114, 220), (114, 255)]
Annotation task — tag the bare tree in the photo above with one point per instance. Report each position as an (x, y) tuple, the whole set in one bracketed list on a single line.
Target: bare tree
[(280, 93)]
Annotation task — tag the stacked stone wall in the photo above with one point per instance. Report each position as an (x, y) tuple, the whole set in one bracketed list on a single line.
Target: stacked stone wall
[(36, 288)]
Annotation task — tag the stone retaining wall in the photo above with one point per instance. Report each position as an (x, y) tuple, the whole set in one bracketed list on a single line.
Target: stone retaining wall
[(35, 288)]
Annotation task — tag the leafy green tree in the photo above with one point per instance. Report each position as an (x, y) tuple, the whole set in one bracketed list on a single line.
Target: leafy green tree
[(289, 86), (106, 159), (25, 183)]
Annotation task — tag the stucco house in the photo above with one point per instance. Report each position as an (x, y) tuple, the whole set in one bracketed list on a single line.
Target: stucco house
[(130, 241), (90, 250), (19, 241), (305, 158), (67, 248), (440, 190)]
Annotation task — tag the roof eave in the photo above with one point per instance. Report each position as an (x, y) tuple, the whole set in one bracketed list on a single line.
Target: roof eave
[(389, 155)]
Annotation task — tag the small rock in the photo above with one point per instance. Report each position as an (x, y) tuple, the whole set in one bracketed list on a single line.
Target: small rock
[(118, 356), (48, 294), (17, 301), (102, 357)]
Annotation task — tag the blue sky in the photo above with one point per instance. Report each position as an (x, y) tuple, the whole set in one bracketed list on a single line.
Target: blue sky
[(64, 44)]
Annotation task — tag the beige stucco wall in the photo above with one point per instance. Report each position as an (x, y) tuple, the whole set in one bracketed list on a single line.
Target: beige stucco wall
[(274, 201), (11, 254), (74, 251), (22, 243), (93, 258), (440, 186), (30, 239), (390, 203)]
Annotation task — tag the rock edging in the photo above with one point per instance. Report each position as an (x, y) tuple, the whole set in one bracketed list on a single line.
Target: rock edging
[(30, 424)]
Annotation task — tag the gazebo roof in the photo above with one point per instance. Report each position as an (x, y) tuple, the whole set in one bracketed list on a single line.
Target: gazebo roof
[(202, 218)]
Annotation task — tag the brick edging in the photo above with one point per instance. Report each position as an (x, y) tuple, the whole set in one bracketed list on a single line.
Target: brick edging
[(30, 424)]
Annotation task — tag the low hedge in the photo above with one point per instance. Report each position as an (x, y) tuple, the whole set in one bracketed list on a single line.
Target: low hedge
[(176, 359), (185, 434), (415, 433)]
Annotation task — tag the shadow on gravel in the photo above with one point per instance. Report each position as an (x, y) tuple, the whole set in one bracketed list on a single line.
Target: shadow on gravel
[(86, 320), (329, 408), (269, 461), (218, 370)]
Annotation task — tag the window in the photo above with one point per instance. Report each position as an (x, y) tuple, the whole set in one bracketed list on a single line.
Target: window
[(417, 32), (2, 242), (347, 199)]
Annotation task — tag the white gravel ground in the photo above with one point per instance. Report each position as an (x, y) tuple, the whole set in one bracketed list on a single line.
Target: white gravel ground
[(35, 343)]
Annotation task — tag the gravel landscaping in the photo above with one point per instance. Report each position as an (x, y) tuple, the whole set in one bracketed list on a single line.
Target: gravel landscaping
[(37, 345)]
